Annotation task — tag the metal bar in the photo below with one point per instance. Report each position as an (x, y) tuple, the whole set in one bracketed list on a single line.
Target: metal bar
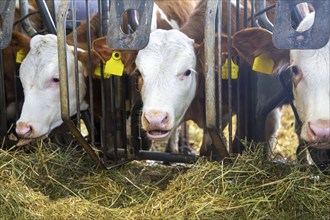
[(26, 24), (7, 10), (63, 72), (219, 23), (117, 39), (166, 157), (3, 117), (90, 74), (210, 81), (75, 43), (209, 65), (230, 115), (46, 17), (262, 19)]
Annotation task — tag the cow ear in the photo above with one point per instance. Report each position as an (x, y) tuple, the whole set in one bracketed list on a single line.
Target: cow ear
[(20, 41), (84, 58), (253, 42), (199, 51), (105, 52)]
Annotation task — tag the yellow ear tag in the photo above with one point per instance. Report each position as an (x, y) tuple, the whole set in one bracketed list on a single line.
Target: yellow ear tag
[(20, 55), (114, 66), (234, 70), (97, 71), (263, 64)]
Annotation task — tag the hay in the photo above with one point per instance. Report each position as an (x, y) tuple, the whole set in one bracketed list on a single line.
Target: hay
[(48, 182)]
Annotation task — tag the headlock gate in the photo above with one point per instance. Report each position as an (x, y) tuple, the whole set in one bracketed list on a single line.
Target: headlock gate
[(113, 118)]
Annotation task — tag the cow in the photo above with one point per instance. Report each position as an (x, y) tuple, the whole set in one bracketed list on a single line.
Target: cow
[(311, 77), (40, 78), (170, 73), (9, 54), (174, 93)]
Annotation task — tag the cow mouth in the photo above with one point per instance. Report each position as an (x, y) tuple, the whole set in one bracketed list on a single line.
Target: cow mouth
[(25, 141), (321, 145), (158, 134)]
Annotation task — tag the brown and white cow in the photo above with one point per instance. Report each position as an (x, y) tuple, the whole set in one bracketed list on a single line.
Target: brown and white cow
[(171, 70), (9, 56), (40, 77), (311, 87)]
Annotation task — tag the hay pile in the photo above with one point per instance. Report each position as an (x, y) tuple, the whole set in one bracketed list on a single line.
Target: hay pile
[(48, 182)]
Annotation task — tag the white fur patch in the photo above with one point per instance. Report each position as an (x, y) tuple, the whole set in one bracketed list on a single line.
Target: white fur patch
[(312, 93), (162, 64)]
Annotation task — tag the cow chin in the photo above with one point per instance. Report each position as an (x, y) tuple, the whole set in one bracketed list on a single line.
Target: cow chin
[(310, 137), (25, 141)]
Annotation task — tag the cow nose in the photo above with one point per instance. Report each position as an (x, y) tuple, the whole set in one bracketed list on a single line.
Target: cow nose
[(23, 129), (320, 130), (156, 119)]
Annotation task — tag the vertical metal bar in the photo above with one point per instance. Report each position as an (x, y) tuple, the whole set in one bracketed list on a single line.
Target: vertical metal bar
[(102, 129), (246, 13), (209, 67), (246, 90), (229, 33), (26, 24), (219, 23), (238, 87), (89, 70), (238, 8), (75, 43), (210, 82), (114, 115), (63, 72), (3, 118), (253, 22)]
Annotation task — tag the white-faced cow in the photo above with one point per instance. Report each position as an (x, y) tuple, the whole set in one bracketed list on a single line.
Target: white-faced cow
[(171, 74), (311, 87), (39, 72), (171, 70)]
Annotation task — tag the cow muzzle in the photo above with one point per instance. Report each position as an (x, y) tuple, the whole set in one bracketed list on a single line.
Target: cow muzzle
[(156, 123), (27, 134), (318, 132)]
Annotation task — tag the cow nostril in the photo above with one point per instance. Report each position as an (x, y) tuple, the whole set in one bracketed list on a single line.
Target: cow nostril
[(319, 129), (165, 119)]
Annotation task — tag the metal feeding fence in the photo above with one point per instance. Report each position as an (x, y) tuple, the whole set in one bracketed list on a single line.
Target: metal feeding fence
[(110, 142)]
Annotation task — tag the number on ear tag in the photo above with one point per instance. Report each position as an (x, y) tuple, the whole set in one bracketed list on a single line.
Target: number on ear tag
[(114, 66), (234, 70), (263, 64), (20, 55)]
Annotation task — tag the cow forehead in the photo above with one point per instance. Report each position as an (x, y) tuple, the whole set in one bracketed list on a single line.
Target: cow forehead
[(42, 60), (314, 64), (167, 50)]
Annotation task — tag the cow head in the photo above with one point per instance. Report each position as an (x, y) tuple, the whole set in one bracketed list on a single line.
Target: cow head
[(169, 69), (39, 74), (311, 78), (167, 78)]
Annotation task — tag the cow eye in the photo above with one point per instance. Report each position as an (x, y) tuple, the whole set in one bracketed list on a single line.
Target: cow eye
[(295, 70), (56, 80), (137, 73), (297, 75), (187, 73)]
